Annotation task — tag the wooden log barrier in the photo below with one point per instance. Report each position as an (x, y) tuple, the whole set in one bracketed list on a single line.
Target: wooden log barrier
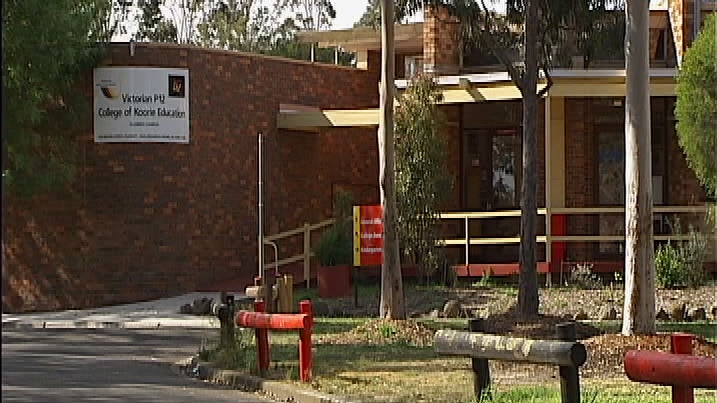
[(565, 353), (504, 348)]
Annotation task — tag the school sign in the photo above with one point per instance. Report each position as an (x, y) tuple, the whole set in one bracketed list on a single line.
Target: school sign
[(141, 104)]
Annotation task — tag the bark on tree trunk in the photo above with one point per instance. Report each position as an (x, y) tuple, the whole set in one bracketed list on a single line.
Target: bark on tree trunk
[(639, 304), (392, 304), (528, 302)]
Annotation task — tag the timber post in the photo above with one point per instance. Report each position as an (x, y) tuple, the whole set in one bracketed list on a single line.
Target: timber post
[(569, 376), (262, 342), (481, 370), (486, 347)]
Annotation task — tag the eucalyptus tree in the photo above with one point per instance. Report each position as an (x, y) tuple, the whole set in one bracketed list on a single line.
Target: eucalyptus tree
[(639, 301), (153, 26), (392, 304), (532, 29), (312, 15)]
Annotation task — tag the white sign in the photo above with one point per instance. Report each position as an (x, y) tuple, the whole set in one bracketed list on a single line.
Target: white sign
[(141, 104)]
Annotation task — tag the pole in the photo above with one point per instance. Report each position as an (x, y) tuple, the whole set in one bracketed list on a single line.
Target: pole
[(681, 343), (305, 360), (266, 281), (260, 198), (262, 342)]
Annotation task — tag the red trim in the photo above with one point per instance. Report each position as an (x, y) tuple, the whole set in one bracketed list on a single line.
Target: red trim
[(495, 269)]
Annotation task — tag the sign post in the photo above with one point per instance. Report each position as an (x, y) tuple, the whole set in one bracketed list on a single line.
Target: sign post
[(368, 240)]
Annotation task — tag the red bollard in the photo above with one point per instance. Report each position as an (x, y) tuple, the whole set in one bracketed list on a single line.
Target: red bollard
[(681, 343), (305, 363), (262, 342)]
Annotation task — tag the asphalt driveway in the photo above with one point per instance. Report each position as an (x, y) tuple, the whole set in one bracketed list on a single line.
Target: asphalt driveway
[(105, 365)]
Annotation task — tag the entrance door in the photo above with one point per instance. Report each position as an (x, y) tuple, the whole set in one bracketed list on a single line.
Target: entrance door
[(491, 182)]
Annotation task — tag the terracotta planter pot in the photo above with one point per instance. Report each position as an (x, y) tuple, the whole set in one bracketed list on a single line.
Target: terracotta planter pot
[(334, 281)]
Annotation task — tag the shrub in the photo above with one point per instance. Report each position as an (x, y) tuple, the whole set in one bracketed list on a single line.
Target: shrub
[(335, 246), (681, 263), (582, 276), (668, 266), (423, 182)]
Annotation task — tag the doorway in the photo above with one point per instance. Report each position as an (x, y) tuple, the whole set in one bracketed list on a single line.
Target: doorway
[(491, 182)]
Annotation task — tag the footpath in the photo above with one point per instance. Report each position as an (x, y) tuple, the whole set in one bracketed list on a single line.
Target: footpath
[(141, 315)]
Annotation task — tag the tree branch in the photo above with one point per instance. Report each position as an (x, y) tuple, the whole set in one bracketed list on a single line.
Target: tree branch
[(549, 83), (500, 54)]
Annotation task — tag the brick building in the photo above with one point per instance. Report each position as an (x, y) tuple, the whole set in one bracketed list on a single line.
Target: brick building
[(148, 220), (580, 140)]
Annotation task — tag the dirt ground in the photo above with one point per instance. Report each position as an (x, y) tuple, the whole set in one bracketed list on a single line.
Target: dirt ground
[(559, 304)]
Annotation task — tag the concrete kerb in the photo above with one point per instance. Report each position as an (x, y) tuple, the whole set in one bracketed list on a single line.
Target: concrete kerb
[(279, 391), (89, 324)]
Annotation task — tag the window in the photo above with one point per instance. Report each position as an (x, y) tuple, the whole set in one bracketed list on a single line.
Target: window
[(506, 168), (413, 65)]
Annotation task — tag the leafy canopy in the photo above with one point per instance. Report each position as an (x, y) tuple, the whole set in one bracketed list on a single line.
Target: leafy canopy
[(593, 29), (696, 108), (47, 45)]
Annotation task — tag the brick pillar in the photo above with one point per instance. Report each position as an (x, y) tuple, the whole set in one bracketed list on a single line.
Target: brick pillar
[(440, 41)]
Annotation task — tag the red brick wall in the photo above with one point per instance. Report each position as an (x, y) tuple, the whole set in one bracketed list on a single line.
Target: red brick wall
[(580, 174), (581, 187), (440, 41), (152, 220)]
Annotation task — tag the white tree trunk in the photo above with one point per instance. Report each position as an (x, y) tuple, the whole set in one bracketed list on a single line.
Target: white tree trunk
[(639, 304), (392, 304)]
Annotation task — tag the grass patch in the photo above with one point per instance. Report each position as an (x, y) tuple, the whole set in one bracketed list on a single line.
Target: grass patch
[(591, 393), (386, 368)]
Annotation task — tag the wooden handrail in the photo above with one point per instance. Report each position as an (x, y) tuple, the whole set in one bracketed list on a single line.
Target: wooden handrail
[(466, 241), (299, 230), (307, 253)]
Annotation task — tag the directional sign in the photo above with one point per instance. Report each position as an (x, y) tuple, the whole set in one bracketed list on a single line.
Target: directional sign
[(368, 235)]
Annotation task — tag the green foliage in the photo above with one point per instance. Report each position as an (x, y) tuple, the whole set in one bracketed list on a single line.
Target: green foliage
[(422, 182), (335, 245), (593, 29), (681, 263), (312, 15), (47, 46), (696, 108), (387, 330), (487, 280)]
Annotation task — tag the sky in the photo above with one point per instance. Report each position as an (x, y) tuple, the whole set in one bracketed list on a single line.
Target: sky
[(348, 12)]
